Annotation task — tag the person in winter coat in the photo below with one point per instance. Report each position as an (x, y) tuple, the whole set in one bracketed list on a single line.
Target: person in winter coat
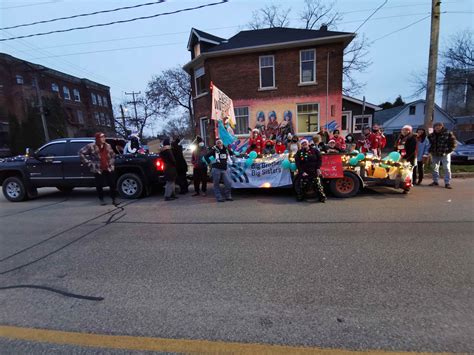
[(181, 167), (406, 145), (350, 143), (199, 168), (133, 144), (293, 146), (324, 135), (170, 170), (218, 157), (100, 158), (382, 140), (331, 147), (255, 142), (442, 144), (340, 141), (279, 146), (308, 162), (369, 143), (269, 148), (422, 148)]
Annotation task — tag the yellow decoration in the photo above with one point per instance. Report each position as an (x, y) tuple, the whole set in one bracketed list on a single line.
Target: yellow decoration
[(380, 173)]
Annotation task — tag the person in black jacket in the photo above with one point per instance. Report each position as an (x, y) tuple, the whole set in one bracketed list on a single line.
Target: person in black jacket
[(442, 145), (218, 157), (181, 167), (406, 145), (308, 162), (170, 169)]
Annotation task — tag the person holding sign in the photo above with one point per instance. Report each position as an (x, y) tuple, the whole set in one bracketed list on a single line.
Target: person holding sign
[(218, 157), (308, 162)]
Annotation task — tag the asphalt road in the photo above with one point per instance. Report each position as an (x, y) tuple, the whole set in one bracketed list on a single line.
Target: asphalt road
[(380, 271)]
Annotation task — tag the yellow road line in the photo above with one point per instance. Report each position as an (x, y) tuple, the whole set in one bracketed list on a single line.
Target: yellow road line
[(165, 345)]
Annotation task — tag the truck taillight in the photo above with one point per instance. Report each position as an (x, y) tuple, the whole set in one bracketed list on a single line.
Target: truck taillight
[(160, 165)]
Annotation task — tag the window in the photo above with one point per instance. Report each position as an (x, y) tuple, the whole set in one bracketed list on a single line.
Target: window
[(73, 148), (412, 110), (344, 119), (99, 100), (77, 97), (97, 118), (108, 120), (19, 79), (52, 150), (102, 119), (94, 99), (267, 72), (104, 101), (307, 118), (360, 122), (308, 66), (55, 87), (197, 49), (66, 93), (80, 117), (242, 120), (199, 81)]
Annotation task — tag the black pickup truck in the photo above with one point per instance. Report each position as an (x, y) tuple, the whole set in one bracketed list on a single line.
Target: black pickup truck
[(57, 164)]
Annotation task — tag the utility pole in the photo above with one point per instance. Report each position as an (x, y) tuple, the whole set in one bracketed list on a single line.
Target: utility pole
[(134, 102), (40, 102), (432, 64), (124, 124)]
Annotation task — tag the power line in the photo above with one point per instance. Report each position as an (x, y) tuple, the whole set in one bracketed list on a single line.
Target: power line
[(372, 14), (401, 29), (84, 15), (116, 22), (28, 5)]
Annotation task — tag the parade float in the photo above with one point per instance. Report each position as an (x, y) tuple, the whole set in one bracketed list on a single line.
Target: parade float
[(345, 174)]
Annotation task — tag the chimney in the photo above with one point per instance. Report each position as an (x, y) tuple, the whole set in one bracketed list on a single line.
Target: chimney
[(323, 27)]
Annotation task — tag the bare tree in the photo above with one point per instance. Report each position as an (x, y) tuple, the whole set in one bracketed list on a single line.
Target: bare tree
[(170, 92), (317, 12), (270, 16), (126, 122), (314, 14), (178, 127)]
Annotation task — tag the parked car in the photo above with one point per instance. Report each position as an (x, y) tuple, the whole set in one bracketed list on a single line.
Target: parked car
[(464, 153), (57, 164)]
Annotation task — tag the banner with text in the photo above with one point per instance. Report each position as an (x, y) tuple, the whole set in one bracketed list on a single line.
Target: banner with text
[(222, 106)]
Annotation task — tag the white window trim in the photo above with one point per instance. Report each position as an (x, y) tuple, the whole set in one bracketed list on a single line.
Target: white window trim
[(201, 95), (349, 121), (195, 82), (261, 88), (68, 93), (78, 95), (19, 80), (55, 85), (201, 129), (303, 83), (354, 119), (243, 135), (296, 117)]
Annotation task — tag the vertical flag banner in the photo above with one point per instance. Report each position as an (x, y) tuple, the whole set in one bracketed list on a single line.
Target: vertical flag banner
[(222, 106)]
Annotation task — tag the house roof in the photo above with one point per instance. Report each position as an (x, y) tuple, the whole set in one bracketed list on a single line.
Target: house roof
[(361, 102), (274, 35), (264, 39), (203, 36)]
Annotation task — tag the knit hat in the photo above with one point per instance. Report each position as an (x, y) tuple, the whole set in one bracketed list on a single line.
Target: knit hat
[(304, 141), (410, 128), (166, 141), (198, 139), (331, 141), (97, 137)]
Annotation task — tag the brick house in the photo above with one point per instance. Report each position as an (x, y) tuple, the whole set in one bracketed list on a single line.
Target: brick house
[(270, 73), (81, 106)]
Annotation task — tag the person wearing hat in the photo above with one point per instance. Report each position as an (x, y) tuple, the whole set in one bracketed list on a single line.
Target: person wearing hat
[(133, 144), (100, 158), (423, 151), (339, 140), (442, 145), (166, 154), (255, 142), (199, 168), (331, 147), (279, 146), (269, 148), (406, 145), (308, 162), (382, 140), (220, 155), (370, 142)]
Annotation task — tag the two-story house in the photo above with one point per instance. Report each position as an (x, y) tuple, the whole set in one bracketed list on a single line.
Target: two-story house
[(275, 76)]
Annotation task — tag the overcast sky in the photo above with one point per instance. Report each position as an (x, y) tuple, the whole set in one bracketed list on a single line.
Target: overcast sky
[(109, 55)]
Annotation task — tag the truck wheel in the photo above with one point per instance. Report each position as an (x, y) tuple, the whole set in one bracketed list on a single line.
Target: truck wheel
[(347, 186), (14, 189), (130, 186), (65, 189)]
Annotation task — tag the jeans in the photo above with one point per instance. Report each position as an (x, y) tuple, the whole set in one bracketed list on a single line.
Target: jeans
[(169, 189), (217, 174), (101, 180), (446, 161)]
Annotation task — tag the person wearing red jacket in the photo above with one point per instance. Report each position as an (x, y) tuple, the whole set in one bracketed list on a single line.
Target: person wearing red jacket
[(256, 142), (370, 142), (340, 141), (381, 137), (279, 146)]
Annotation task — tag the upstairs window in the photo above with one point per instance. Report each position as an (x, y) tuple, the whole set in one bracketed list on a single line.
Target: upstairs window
[(267, 71), (242, 120), (19, 79), (55, 87), (99, 100), (104, 101), (97, 118), (77, 96), (94, 99), (80, 117), (199, 81), (412, 110), (67, 95), (308, 66)]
